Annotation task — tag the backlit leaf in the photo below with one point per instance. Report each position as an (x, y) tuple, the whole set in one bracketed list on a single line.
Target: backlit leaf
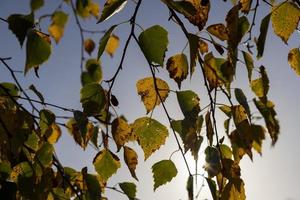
[(104, 40), (245, 5), (93, 73), (234, 190), (129, 189), (111, 7), (242, 99), (226, 151), (194, 47), (218, 30), (20, 24), (55, 134), (33, 141), (121, 132), (249, 64), (47, 118), (45, 154), (106, 163), (86, 8), (294, 59), (146, 89), (163, 171), (57, 27), (150, 134), (93, 99), (38, 49), (154, 42), (7, 89), (209, 128), (131, 160), (203, 47), (243, 27), (258, 136), (199, 19), (36, 4), (112, 44), (189, 103), (89, 45), (260, 86), (178, 66), (285, 17), (262, 36), (213, 161)]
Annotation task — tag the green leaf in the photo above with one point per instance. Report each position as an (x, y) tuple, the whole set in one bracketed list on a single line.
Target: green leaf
[(189, 103), (93, 99), (260, 44), (38, 49), (260, 86), (45, 154), (269, 114), (184, 7), (194, 47), (285, 17), (190, 187), (46, 119), (212, 187), (111, 7), (147, 90), (106, 163), (7, 89), (242, 99), (234, 190), (56, 29), (131, 160), (129, 189), (104, 40), (81, 121), (178, 66), (243, 27), (33, 141), (20, 24), (150, 134), (213, 161), (163, 171), (249, 64), (153, 42), (36, 4), (94, 188), (37, 93), (226, 151), (294, 59)]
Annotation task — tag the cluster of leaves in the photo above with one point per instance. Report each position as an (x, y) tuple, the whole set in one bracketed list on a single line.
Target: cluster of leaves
[(29, 167)]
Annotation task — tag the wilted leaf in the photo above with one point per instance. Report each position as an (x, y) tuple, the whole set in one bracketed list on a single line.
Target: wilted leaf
[(111, 7), (262, 36), (106, 164), (112, 44), (258, 135), (226, 110), (45, 154), (190, 187), (194, 47), (163, 171), (154, 42), (36, 4), (199, 19), (147, 90), (285, 17), (89, 45), (150, 134), (131, 160), (218, 30), (260, 86), (209, 128), (203, 47), (249, 64), (231, 170), (245, 6), (269, 115), (177, 66), (57, 27), (294, 60), (242, 99), (239, 114), (129, 189), (234, 190), (93, 99), (38, 49), (213, 161), (121, 132), (104, 40), (20, 24), (189, 103), (212, 187)]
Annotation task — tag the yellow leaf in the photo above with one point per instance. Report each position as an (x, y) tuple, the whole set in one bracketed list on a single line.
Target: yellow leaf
[(89, 45), (294, 60), (245, 5), (177, 66), (112, 45), (201, 16), (56, 29), (203, 46), (146, 89), (54, 134), (94, 9), (218, 30), (239, 114), (131, 160), (234, 190), (85, 11), (121, 132), (285, 17), (260, 86)]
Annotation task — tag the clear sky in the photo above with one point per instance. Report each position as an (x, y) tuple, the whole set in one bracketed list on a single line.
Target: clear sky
[(273, 176)]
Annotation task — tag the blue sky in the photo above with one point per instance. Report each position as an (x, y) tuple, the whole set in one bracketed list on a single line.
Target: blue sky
[(273, 176)]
